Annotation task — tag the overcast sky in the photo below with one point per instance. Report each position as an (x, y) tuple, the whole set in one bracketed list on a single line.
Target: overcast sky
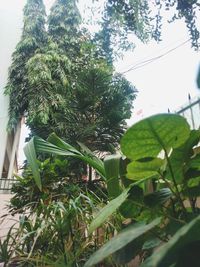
[(166, 82)]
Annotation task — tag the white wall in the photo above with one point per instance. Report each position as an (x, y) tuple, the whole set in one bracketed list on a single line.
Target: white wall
[(11, 21)]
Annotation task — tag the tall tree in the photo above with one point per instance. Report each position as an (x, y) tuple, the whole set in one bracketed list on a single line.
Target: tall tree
[(33, 39), (99, 107), (96, 102), (52, 72), (64, 26), (49, 75), (66, 84)]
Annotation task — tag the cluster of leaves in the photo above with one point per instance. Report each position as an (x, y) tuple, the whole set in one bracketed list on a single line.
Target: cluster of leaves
[(54, 218), (59, 181), (153, 201), (55, 212), (53, 233), (33, 39), (144, 18)]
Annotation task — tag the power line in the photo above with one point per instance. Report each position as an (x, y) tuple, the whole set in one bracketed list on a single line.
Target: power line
[(148, 61), (162, 50)]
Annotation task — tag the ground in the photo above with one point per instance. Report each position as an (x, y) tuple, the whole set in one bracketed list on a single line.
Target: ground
[(5, 224)]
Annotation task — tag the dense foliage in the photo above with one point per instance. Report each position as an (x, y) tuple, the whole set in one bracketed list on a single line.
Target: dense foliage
[(33, 39), (162, 200), (152, 196), (70, 88), (145, 18)]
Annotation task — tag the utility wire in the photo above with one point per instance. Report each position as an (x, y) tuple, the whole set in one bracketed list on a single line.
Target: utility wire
[(155, 53), (148, 61)]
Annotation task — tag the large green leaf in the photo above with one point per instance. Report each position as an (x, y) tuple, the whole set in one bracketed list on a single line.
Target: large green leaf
[(59, 147), (112, 206), (130, 209), (108, 210), (54, 139), (130, 251), (140, 170), (42, 146), (121, 240), (151, 135), (112, 165), (30, 153), (181, 157), (169, 253), (195, 163)]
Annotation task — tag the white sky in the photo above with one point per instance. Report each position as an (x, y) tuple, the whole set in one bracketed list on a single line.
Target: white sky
[(167, 81)]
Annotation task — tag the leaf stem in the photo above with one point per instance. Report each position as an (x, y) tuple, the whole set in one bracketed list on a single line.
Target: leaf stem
[(178, 195)]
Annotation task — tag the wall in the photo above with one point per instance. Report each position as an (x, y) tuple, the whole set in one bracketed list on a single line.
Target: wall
[(11, 21)]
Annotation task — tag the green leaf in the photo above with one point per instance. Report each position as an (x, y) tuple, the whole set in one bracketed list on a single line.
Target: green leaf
[(168, 253), (30, 153), (173, 226), (59, 147), (195, 163), (129, 209), (192, 192), (189, 255), (132, 206), (112, 165), (130, 251), (45, 147), (148, 137), (151, 243), (55, 140), (112, 206), (140, 170), (108, 210), (181, 156), (193, 182), (122, 239), (158, 197)]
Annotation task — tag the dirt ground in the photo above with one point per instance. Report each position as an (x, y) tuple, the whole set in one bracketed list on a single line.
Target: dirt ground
[(5, 223)]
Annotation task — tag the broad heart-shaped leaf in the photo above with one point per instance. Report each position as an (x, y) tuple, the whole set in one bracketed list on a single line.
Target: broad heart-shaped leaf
[(112, 165), (30, 153), (122, 239), (140, 170), (169, 253), (148, 137), (181, 157), (59, 147), (195, 163)]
